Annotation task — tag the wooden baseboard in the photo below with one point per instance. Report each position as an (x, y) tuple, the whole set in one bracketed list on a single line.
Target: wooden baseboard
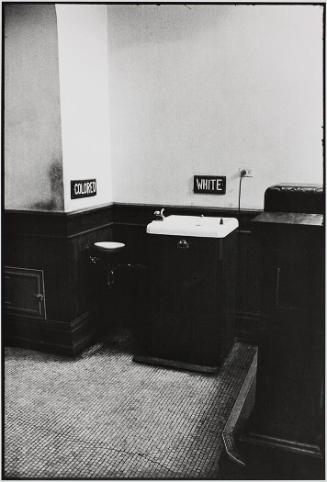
[(249, 326), (269, 458), (291, 446), (55, 336), (150, 360), (240, 413)]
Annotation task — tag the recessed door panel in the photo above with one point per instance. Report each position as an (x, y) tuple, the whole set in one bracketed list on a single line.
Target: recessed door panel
[(24, 292)]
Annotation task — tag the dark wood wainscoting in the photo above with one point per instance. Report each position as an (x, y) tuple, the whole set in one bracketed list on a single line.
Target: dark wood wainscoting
[(60, 244), (129, 227)]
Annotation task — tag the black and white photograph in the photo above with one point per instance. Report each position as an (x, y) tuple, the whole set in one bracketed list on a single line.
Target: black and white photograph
[(163, 240)]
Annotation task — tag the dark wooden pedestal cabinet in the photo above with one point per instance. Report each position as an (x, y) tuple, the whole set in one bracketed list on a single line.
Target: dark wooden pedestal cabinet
[(191, 303), (289, 411)]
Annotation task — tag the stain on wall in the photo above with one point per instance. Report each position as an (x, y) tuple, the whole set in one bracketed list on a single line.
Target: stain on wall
[(32, 143), (56, 200)]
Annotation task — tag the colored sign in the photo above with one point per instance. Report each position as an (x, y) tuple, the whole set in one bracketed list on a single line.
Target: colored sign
[(210, 184), (84, 188)]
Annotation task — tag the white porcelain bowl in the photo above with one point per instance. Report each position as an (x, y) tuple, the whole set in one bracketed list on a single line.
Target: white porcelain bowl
[(109, 246), (197, 226)]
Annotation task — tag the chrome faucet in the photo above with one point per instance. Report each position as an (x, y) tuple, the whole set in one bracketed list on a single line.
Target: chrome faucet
[(159, 215)]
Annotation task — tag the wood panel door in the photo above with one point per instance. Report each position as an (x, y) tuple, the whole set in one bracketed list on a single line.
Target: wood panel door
[(24, 292), (184, 322), (290, 358)]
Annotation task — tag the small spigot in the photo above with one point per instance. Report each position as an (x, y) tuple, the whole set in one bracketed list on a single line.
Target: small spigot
[(94, 259), (159, 215)]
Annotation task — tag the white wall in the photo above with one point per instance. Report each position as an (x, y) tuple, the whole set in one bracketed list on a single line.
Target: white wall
[(209, 89), (32, 136), (83, 62)]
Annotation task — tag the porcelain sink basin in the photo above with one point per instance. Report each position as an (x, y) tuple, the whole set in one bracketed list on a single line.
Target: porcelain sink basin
[(197, 226)]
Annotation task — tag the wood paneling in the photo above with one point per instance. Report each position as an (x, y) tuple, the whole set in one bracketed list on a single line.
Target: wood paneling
[(187, 309), (249, 323), (42, 253), (129, 227), (60, 244), (289, 403), (64, 337), (24, 292)]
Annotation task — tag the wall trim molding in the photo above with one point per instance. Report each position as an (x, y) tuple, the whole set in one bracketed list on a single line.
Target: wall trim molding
[(41, 212), (60, 225), (90, 230), (262, 440), (186, 206), (75, 335), (142, 214), (57, 225)]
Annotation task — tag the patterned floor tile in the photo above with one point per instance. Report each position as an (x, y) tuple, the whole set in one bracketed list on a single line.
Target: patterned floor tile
[(101, 416)]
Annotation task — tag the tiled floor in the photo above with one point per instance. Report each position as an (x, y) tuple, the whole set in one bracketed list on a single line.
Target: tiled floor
[(103, 416)]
